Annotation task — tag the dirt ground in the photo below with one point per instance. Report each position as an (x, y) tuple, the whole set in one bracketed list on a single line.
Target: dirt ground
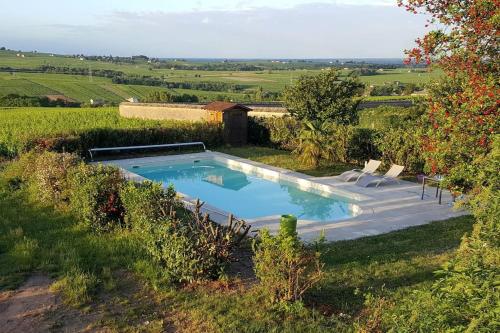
[(129, 306), (33, 307)]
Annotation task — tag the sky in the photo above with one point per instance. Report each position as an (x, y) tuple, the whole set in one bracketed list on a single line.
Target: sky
[(211, 28)]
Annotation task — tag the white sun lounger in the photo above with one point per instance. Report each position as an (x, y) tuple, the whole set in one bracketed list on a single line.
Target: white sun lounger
[(390, 176), (355, 174)]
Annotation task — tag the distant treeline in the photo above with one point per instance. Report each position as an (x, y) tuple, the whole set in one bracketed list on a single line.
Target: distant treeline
[(222, 66), (15, 100), (237, 65), (159, 82), (166, 97)]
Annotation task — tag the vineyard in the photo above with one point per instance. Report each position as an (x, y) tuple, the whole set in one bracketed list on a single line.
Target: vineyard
[(25, 76), (80, 128)]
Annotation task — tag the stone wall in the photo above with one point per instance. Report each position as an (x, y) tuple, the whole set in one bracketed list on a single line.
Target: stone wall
[(158, 111), (195, 112), (188, 112)]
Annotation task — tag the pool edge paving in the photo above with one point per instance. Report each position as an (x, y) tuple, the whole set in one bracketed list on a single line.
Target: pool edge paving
[(381, 210)]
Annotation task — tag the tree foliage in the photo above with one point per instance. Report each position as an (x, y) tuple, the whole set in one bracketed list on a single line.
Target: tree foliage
[(324, 97), (461, 141), (463, 113)]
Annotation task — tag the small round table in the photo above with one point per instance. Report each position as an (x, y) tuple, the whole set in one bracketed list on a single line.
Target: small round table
[(439, 188)]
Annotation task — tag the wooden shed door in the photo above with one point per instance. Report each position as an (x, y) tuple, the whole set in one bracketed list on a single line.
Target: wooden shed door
[(235, 126)]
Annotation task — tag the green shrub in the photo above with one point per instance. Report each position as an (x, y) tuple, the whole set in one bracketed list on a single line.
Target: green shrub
[(176, 246), (362, 145), (146, 203), (48, 179), (94, 196), (191, 247), (186, 244), (258, 131), (280, 132), (401, 146), (286, 268)]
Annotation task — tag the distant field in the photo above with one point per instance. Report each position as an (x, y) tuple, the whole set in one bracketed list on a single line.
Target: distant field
[(83, 88)]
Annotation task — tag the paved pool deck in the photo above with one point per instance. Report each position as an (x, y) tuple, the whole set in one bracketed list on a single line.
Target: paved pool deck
[(383, 209), (378, 210)]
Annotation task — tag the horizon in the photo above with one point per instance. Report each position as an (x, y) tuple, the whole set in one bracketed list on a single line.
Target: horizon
[(297, 29), (202, 58)]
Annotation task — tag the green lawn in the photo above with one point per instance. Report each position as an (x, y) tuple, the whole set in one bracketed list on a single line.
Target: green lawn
[(112, 270)]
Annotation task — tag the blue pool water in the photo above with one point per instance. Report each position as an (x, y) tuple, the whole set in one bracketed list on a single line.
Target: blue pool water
[(245, 195)]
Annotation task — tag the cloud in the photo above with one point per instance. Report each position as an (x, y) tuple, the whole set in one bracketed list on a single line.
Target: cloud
[(319, 30)]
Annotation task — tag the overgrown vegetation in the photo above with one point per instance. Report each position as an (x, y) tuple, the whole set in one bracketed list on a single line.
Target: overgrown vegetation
[(285, 267), (35, 238), (186, 243)]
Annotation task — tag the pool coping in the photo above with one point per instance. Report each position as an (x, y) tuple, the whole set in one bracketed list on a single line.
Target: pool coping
[(379, 210)]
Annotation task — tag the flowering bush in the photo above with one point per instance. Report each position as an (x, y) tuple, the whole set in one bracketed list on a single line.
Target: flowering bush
[(463, 107), (94, 196), (461, 141)]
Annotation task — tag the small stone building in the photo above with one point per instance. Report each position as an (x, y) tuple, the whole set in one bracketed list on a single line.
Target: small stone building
[(235, 119)]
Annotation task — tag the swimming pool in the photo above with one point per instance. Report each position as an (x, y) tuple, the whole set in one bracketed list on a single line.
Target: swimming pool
[(245, 193)]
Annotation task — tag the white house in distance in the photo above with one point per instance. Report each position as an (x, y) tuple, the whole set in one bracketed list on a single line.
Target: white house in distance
[(96, 102), (133, 100)]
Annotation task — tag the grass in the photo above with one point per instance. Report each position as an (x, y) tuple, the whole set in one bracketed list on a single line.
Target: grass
[(284, 159), (89, 268)]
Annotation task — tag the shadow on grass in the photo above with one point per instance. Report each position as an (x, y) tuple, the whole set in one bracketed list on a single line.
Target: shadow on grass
[(34, 238), (386, 263)]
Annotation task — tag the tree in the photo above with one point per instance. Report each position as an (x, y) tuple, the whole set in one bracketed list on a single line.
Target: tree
[(324, 97), (462, 141), (463, 115)]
